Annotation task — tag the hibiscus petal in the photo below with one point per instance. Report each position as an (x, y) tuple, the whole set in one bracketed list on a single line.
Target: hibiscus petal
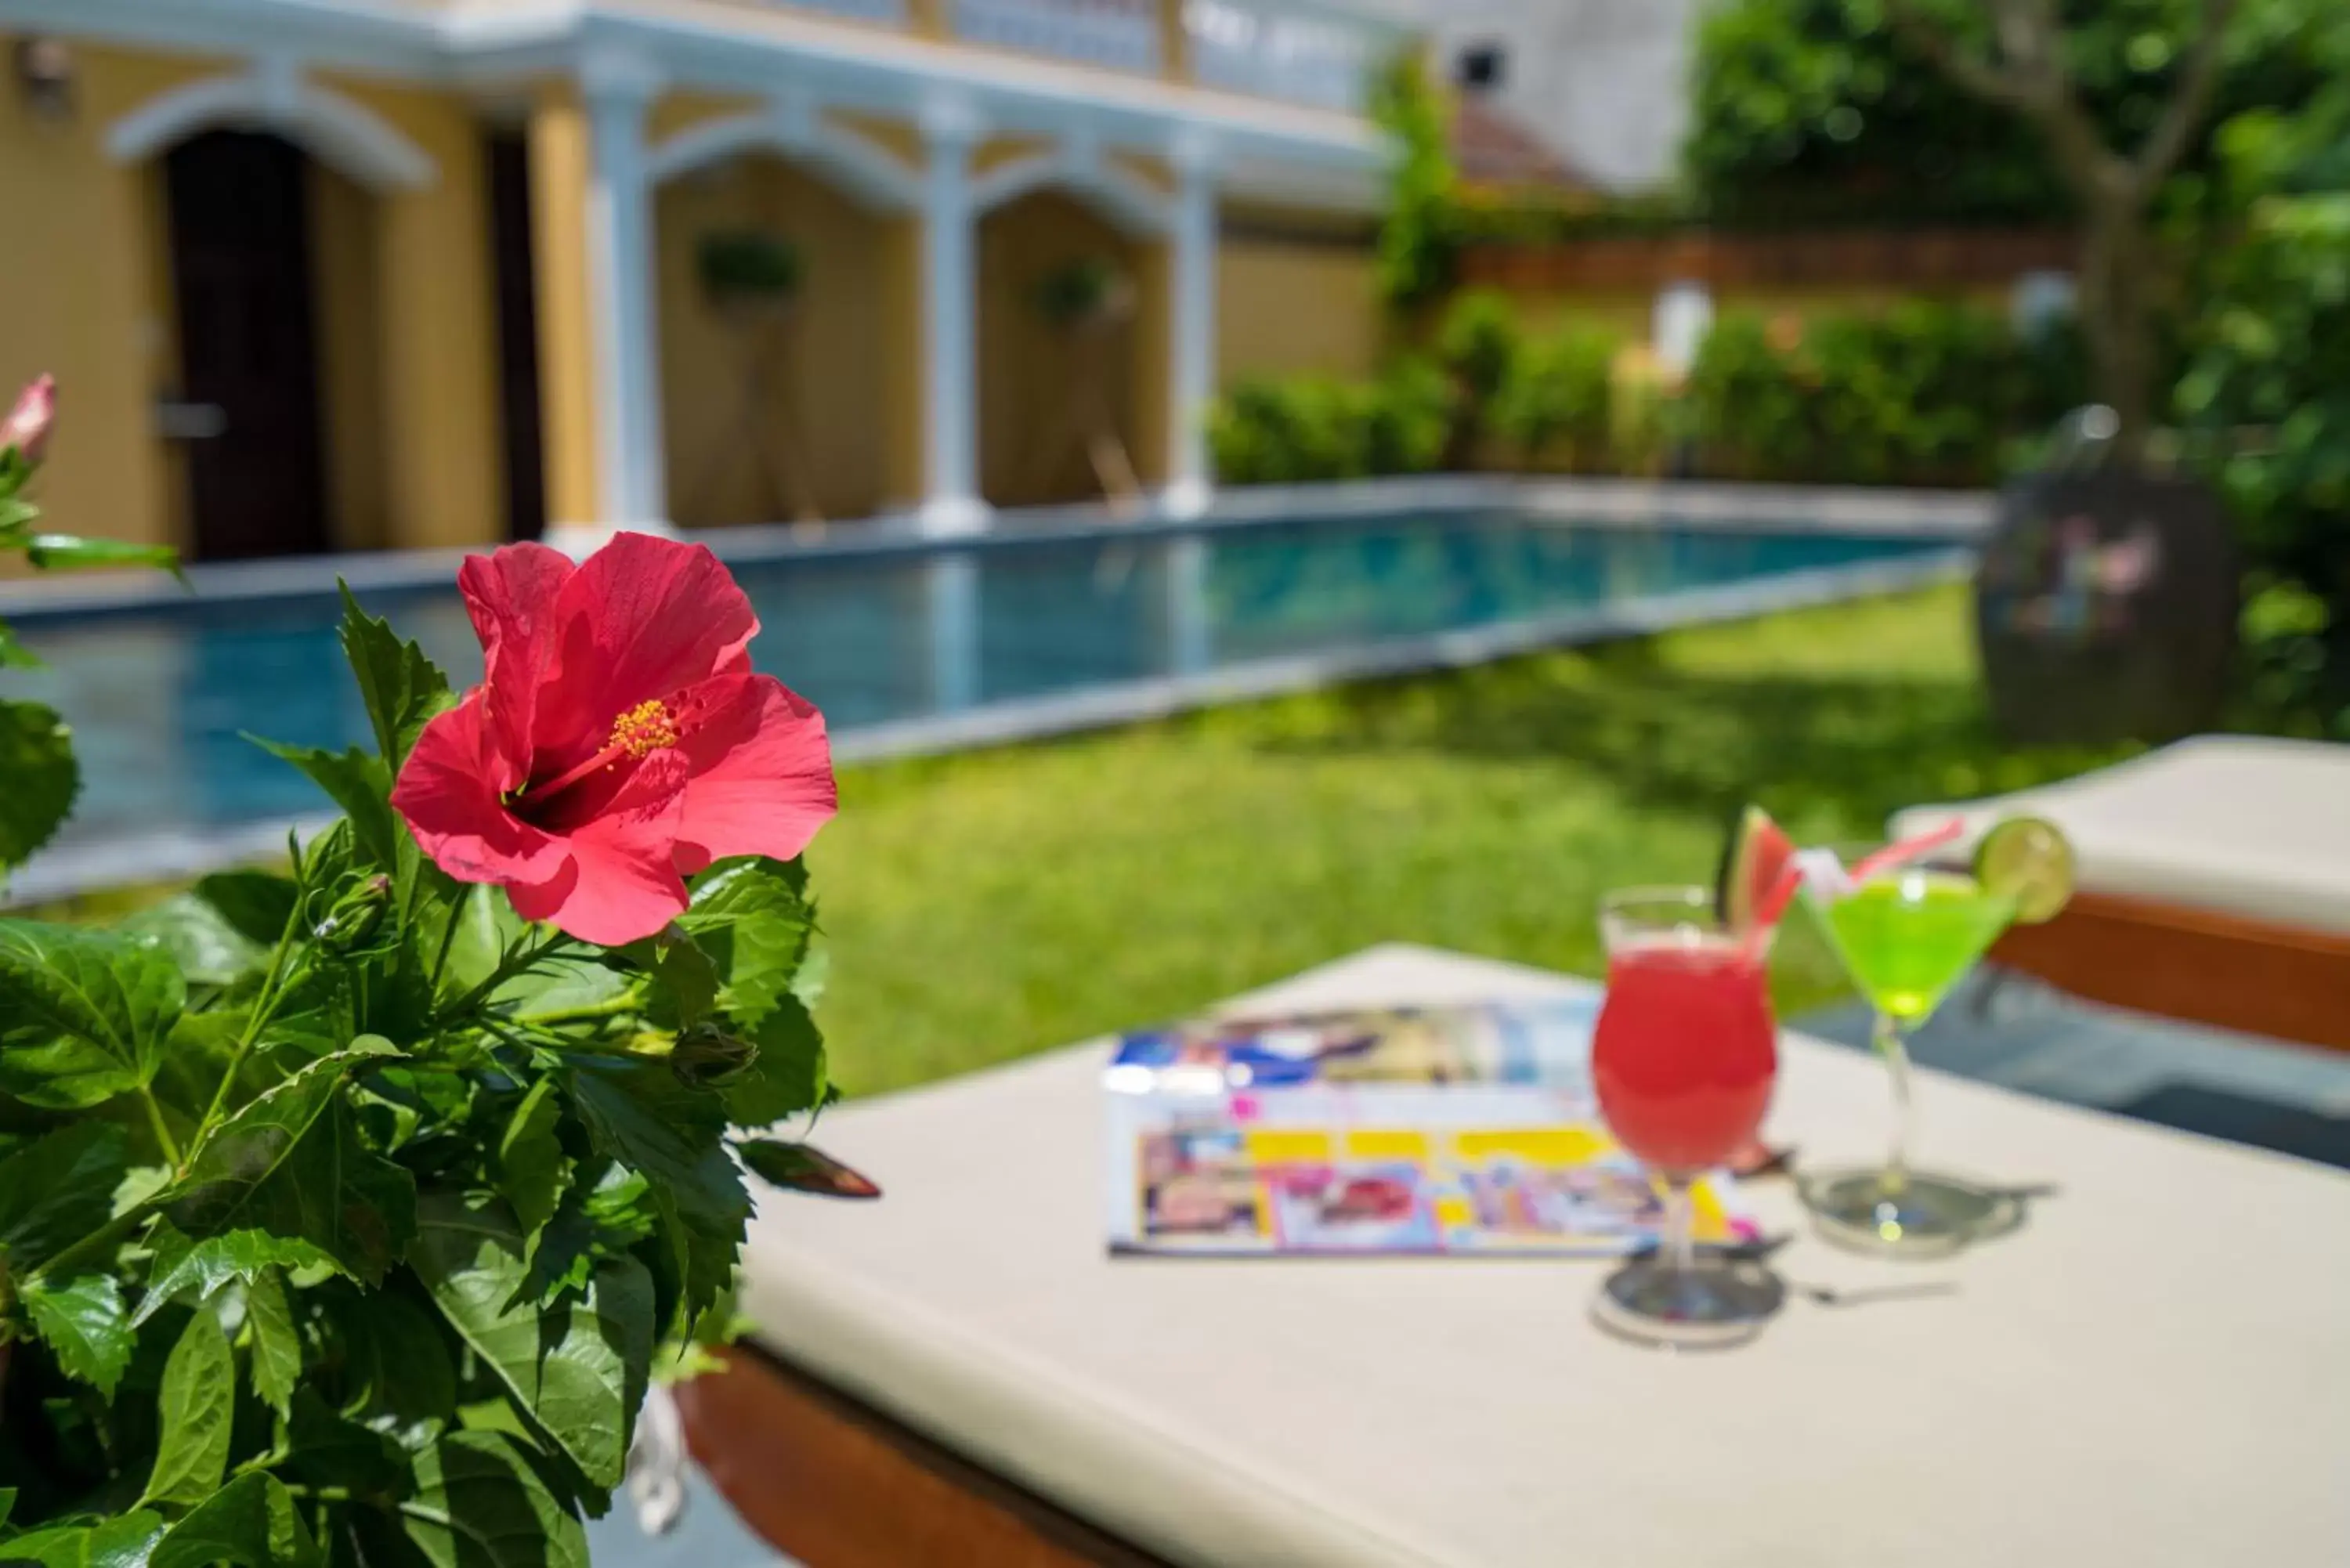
[(643, 618), (762, 770), (512, 594), (627, 885), (448, 792)]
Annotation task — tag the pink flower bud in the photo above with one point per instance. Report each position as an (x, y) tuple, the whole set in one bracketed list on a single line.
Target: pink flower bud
[(28, 426)]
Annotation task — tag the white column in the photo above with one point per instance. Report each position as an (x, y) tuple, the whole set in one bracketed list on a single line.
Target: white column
[(617, 89), (951, 499), (1191, 359)]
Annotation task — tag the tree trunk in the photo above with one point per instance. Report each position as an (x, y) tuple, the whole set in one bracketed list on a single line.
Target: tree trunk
[(2118, 286)]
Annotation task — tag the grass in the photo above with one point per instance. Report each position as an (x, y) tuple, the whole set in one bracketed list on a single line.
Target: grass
[(987, 905), (991, 903)]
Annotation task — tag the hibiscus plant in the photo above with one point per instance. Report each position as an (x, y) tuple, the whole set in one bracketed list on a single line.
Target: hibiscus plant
[(348, 1208)]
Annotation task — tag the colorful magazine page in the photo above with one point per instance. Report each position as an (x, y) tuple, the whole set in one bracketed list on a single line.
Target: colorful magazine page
[(1454, 1130)]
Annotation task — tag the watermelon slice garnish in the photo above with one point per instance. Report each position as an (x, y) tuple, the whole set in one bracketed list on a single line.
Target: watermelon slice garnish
[(1753, 864)]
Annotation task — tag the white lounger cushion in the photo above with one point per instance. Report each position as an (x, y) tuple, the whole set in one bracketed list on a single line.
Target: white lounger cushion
[(2240, 825)]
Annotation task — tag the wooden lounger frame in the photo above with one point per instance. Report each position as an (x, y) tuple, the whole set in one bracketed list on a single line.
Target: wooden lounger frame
[(2195, 965), (837, 1485)]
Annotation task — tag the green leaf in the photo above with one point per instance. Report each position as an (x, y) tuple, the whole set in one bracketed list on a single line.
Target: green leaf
[(398, 1361), (402, 689), (251, 1522), (685, 980), (82, 1320), (290, 1162), (752, 919), (197, 1404), (258, 905), (579, 1367), (788, 1076), (65, 552), (479, 1504), (276, 1349), (182, 1263), (124, 1541), (327, 1449), (58, 1189), (359, 786), (532, 1170), (802, 1169), (208, 950), (637, 1112), (83, 1012), (15, 655), (36, 758)]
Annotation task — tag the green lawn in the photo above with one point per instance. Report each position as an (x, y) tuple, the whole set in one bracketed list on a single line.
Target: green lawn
[(988, 905), (994, 903)]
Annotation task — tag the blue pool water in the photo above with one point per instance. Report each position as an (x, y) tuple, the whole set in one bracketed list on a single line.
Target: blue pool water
[(160, 698)]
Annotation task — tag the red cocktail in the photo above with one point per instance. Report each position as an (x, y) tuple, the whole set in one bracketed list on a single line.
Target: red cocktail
[(1686, 1051), (1683, 1060)]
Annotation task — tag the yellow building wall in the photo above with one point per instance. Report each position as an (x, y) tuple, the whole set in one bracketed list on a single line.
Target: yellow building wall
[(438, 330), (404, 314), (566, 350), (80, 297), (1287, 308), (1031, 446), (828, 408)]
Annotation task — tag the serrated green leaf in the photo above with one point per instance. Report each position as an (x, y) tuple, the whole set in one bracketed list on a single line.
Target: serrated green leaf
[(182, 1263), (67, 551), (579, 1367), (59, 1188), (37, 759), (359, 786), (83, 1012), (125, 1541), (251, 1522), (7, 1503), (290, 1162), (208, 950), (803, 1168), (401, 688), (788, 1075), (198, 1404), (751, 918), (277, 1343), (638, 1113), (477, 1503), (685, 980), (82, 1321), (532, 1169), (258, 905)]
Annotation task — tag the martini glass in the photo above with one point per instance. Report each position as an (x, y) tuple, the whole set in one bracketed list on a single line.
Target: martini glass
[(1907, 934)]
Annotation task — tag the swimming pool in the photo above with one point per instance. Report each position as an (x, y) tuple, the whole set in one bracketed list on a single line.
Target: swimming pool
[(911, 648)]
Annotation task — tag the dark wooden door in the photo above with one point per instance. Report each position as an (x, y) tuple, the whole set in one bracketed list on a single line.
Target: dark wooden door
[(248, 345), (514, 265)]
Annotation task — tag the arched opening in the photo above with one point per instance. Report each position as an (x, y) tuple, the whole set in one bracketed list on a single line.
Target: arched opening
[(273, 413), (774, 300), (1050, 388)]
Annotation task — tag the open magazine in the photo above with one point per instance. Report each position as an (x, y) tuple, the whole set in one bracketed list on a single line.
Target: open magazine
[(1403, 1130)]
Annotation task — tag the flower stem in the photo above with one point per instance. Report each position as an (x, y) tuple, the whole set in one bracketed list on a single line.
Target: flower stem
[(163, 1139), (265, 1007)]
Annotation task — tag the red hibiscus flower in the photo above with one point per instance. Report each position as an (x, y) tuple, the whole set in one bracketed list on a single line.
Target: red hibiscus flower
[(619, 741)]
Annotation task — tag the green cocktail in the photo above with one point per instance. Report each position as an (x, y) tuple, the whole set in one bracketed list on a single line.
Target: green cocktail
[(1906, 939), (1907, 933)]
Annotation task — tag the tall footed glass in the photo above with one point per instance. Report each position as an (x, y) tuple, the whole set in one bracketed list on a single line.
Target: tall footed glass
[(1683, 1058), (1907, 934)]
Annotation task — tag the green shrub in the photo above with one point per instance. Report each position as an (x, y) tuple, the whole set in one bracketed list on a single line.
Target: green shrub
[(1560, 394), (748, 266), (1918, 393), (1420, 235), (1307, 428), (1746, 404), (1479, 342)]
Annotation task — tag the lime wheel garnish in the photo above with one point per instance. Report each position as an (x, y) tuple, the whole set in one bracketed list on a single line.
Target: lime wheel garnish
[(2028, 861)]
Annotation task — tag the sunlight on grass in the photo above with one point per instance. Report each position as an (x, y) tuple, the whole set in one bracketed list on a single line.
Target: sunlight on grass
[(987, 905)]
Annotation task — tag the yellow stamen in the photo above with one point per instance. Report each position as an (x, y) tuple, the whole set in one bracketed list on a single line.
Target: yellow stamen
[(647, 727)]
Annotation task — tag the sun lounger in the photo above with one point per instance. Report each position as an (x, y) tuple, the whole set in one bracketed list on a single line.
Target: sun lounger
[(2214, 885)]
